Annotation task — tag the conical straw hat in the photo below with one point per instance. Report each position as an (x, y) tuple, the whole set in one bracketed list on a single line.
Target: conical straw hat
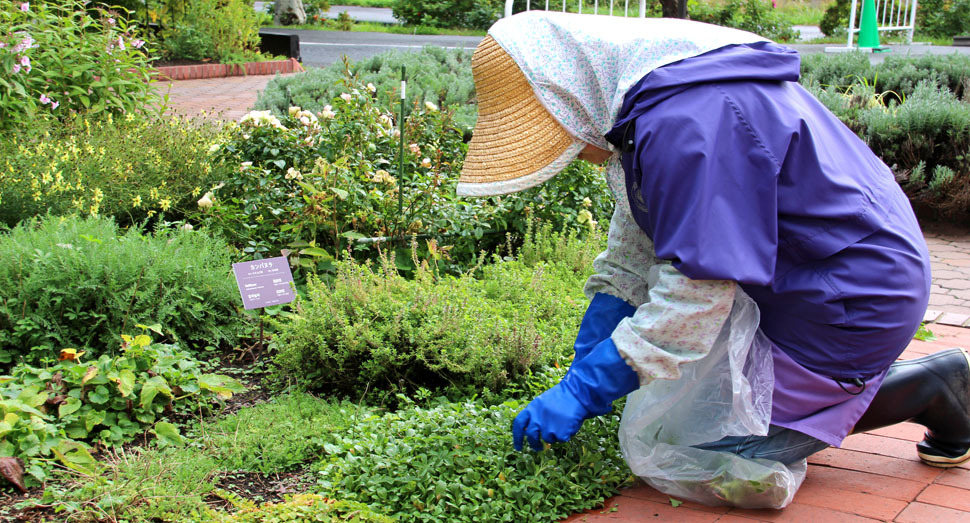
[(516, 143)]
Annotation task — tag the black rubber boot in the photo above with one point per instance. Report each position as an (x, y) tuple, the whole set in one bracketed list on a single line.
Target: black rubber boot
[(933, 391)]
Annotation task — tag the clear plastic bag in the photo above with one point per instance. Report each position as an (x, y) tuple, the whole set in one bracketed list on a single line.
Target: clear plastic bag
[(726, 393)]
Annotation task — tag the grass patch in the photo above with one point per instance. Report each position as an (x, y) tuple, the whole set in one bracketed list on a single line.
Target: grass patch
[(179, 484)]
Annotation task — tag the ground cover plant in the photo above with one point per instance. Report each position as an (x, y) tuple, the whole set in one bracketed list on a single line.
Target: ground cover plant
[(81, 283), (126, 167), (52, 412), (455, 462), (58, 58)]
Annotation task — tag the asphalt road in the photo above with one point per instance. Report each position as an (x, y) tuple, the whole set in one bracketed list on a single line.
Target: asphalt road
[(322, 48)]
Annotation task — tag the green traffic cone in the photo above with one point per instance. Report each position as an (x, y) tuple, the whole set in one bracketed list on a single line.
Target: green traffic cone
[(868, 31)]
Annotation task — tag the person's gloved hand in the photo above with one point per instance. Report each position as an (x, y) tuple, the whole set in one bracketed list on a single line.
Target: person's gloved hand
[(602, 316), (554, 416), (588, 389)]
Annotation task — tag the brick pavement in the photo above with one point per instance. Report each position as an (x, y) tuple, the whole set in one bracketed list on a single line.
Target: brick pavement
[(874, 476)]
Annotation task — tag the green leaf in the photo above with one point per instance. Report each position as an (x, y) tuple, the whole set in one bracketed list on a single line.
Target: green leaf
[(151, 388), (74, 455), (126, 382), (342, 194), (353, 235), (99, 395), (168, 434), (93, 419), (675, 503), (924, 334), (223, 386), (70, 406), (316, 251)]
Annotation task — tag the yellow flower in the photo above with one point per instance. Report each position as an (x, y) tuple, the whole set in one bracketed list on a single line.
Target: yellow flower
[(165, 204), (136, 201)]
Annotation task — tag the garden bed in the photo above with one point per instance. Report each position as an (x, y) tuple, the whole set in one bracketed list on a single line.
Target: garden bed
[(200, 71)]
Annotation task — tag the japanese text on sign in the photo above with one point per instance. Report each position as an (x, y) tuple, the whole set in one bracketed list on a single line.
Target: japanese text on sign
[(264, 282)]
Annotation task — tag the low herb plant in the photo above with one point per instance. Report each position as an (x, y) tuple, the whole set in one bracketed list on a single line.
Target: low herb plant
[(128, 167), (59, 58), (455, 462), (82, 282), (373, 332)]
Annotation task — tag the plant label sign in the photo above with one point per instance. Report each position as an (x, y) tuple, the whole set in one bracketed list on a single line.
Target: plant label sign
[(264, 282)]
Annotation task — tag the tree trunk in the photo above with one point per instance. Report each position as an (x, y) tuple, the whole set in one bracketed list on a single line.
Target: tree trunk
[(290, 12), (673, 8)]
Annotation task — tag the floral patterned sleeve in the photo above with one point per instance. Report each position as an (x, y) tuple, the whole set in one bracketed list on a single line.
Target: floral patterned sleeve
[(677, 319)]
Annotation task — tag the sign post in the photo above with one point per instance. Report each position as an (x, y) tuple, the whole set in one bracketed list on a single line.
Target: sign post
[(263, 283)]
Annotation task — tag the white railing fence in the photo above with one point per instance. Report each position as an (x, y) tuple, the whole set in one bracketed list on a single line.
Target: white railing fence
[(607, 6), (891, 15)]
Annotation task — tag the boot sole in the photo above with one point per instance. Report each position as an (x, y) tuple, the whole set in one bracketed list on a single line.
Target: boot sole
[(943, 461)]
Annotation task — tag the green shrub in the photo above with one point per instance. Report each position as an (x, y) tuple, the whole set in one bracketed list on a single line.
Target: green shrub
[(58, 58), (223, 30), (440, 76), (81, 283), (835, 21), (454, 14), (455, 462), (896, 75), (315, 183), (943, 18), (129, 168), (756, 16), (375, 332)]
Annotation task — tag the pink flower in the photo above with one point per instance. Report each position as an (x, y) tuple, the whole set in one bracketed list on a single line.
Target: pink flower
[(137, 43), (25, 61), (55, 104), (121, 43), (25, 6), (27, 42), (44, 99), (16, 68), (111, 21), (2, 45)]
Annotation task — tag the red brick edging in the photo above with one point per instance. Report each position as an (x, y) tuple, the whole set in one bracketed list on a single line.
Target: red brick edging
[(200, 71)]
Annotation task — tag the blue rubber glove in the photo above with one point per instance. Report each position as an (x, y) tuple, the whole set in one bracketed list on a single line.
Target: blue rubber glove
[(602, 316), (588, 389)]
